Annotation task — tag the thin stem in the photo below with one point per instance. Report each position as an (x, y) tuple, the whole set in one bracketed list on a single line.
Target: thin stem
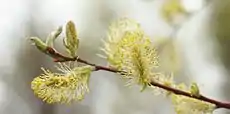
[(61, 58), (218, 104), (97, 67)]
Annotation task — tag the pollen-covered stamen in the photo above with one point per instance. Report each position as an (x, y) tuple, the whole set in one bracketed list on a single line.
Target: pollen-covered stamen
[(57, 82), (63, 68)]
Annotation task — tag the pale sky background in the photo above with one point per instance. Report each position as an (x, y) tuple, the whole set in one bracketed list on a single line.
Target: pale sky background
[(20, 62)]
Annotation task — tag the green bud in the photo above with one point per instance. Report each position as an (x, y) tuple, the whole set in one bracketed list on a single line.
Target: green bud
[(194, 89), (39, 44), (71, 41)]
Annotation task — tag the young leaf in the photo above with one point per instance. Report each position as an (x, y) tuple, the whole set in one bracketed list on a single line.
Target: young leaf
[(52, 36)]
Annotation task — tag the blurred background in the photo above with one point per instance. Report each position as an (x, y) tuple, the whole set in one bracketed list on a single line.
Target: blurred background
[(202, 37)]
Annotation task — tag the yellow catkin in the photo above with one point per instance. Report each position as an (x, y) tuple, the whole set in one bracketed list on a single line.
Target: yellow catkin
[(129, 49), (70, 86)]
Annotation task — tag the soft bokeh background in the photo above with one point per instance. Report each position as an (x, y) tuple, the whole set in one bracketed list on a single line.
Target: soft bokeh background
[(203, 39)]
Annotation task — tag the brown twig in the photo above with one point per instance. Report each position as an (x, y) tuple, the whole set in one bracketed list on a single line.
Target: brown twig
[(61, 58), (174, 90), (200, 97), (58, 57), (218, 104), (97, 67)]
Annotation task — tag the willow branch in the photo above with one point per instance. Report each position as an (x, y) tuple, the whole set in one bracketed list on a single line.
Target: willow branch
[(61, 58), (218, 104)]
